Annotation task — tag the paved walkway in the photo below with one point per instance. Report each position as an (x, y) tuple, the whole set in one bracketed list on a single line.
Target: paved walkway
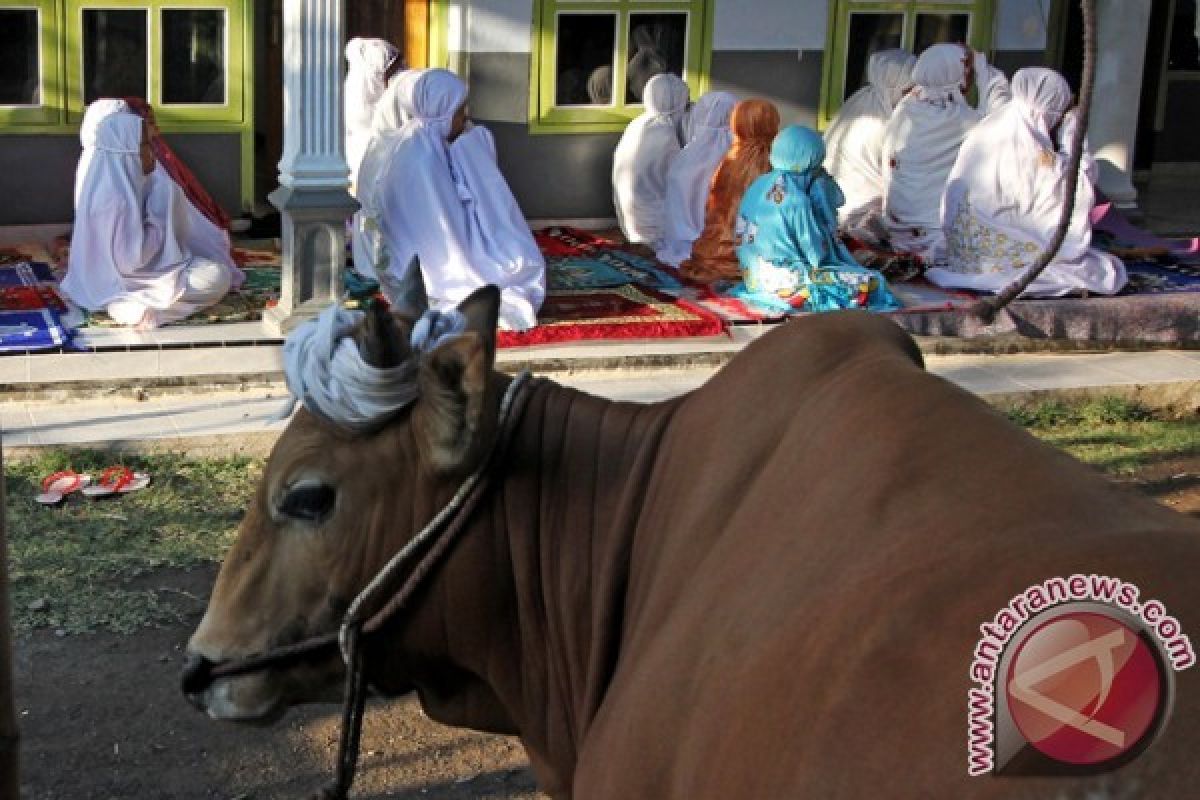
[(254, 413)]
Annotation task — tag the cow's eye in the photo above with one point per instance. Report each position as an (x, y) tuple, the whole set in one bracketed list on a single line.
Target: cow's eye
[(309, 502)]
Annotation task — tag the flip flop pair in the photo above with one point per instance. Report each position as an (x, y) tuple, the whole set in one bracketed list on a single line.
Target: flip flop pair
[(114, 480)]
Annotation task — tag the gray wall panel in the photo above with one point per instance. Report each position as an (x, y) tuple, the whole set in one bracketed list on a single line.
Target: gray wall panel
[(568, 175), (1178, 141), (555, 176), (216, 160), (37, 173), (1009, 61), (792, 82), (37, 178)]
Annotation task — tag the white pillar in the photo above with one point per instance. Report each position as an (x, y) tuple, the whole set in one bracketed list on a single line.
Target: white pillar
[(1122, 28), (312, 196)]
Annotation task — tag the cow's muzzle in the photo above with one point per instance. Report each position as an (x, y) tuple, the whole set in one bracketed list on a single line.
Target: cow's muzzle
[(196, 679)]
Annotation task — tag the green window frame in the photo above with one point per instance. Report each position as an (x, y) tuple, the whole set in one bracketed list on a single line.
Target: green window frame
[(48, 110), (169, 115), (833, 82), (61, 57), (545, 116)]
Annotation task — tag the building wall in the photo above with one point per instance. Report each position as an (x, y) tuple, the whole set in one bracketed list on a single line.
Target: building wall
[(37, 173), (774, 53)]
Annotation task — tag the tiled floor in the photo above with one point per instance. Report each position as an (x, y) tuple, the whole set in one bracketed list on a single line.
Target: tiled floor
[(257, 411)]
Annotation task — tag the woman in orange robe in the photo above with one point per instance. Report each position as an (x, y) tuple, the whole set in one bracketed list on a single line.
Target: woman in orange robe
[(755, 123)]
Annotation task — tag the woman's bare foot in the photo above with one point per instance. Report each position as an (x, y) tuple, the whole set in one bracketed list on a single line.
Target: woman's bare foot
[(148, 322)]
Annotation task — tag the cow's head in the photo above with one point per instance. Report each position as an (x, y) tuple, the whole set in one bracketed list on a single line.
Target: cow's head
[(333, 506)]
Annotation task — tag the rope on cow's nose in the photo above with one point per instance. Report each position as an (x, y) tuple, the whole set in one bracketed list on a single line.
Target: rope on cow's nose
[(987, 309), (352, 722), (327, 374)]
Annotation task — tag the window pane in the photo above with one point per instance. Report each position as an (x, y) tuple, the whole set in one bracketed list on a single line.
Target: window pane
[(937, 28), (869, 33), (1184, 54), (657, 43), (19, 79), (114, 53), (585, 45), (193, 54)]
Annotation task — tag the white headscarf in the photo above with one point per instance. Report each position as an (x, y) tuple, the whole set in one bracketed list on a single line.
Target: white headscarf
[(854, 140), (1005, 196), (126, 240), (368, 61), (410, 195), (691, 172), (922, 138), (643, 156)]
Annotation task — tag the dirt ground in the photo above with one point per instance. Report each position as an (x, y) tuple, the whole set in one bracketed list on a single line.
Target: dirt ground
[(102, 717)]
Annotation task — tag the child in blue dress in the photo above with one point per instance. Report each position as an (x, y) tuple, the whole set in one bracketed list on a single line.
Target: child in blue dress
[(791, 257)]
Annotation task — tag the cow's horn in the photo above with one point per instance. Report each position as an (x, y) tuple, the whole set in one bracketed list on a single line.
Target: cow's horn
[(379, 340)]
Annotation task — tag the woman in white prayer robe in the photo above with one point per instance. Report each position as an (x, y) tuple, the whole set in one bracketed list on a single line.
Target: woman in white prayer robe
[(644, 155), (854, 139), (922, 138), (690, 175), (446, 207), (1005, 199), (368, 62), (129, 248)]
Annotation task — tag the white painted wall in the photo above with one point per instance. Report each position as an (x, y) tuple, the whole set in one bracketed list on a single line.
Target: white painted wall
[(505, 26), (770, 24), (490, 26), (1021, 24)]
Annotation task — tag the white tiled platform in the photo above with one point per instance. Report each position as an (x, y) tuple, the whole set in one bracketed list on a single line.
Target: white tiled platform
[(234, 414)]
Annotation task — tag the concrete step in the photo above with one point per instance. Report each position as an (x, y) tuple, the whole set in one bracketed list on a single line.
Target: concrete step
[(249, 420)]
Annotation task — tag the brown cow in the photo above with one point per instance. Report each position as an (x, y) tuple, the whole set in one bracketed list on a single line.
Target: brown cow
[(768, 588)]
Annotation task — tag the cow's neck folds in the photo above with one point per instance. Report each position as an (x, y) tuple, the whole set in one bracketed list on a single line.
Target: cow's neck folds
[(546, 562)]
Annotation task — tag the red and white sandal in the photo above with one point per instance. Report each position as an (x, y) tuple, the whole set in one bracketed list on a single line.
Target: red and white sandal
[(56, 486), (117, 480)]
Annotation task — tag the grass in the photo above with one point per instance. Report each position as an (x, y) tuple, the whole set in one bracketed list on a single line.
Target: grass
[(88, 565), (1113, 434), (76, 568)]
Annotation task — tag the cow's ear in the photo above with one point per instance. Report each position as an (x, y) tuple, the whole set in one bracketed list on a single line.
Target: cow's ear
[(455, 415), (380, 342)]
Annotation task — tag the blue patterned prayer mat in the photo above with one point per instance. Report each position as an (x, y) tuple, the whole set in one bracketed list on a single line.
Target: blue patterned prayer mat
[(1161, 277), (38, 329), (605, 269)]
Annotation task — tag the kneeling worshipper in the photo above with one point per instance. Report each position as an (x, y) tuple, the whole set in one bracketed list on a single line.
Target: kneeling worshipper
[(643, 157), (369, 62), (208, 224), (854, 141), (130, 247), (430, 199), (755, 124), (921, 141), (690, 175), (1005, 199), (792, 258)]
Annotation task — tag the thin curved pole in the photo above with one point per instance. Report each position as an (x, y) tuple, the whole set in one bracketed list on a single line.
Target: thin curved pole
[(987, 308)]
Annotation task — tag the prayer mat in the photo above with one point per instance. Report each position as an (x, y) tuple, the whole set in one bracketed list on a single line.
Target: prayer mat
[(620, 312), (34, 329), (1161, 276), (576, 259), (246, 257)]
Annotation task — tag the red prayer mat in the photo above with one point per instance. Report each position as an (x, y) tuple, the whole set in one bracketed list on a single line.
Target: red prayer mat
[(621, 312)]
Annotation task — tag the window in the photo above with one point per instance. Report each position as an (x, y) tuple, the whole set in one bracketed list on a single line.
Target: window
[(28, 63), (862, 27), (183, 56), (594, 57)]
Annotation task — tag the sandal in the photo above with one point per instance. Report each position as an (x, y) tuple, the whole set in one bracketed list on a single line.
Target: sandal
[(56, 486), (117, 480)]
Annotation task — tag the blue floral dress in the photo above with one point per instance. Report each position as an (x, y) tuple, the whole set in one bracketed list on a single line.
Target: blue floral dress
[(788, 246)]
